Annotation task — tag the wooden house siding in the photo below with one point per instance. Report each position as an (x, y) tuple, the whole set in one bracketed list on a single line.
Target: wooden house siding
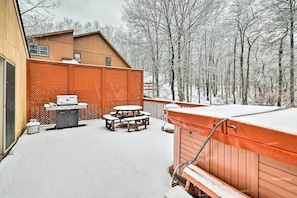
[(276, 179), (256, 175), (94, 49), (13, 49), (60, 46)]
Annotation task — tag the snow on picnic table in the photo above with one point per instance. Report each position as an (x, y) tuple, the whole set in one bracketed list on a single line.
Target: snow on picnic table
[(89, 161)]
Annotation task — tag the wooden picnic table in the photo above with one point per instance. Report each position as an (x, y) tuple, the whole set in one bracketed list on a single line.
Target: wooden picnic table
[(127, 110), (129, 116)]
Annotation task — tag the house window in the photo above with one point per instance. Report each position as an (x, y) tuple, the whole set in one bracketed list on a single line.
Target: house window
[(38, 50), (77, 57), (107, 61), (33, 49), (43, 50)]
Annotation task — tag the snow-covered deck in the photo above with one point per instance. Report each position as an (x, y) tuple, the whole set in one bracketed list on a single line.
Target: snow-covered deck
[(89, 161)]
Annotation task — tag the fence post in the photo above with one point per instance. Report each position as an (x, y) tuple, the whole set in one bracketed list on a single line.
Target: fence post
[(129, 86), (71, 79), (103, 91), (142, 89), (28, 90)]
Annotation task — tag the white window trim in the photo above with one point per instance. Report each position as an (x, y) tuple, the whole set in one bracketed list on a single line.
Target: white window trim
[(39, 50), (77, 57), (108, 58), (30, 49)]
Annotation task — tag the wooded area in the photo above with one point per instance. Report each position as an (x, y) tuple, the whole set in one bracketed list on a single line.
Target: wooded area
[(237, 51)]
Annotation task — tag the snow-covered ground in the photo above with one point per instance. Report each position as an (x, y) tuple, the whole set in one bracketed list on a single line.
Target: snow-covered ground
[(89, 161)]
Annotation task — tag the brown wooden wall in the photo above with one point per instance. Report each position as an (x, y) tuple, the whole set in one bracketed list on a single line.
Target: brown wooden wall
[(60, 46), (14, 50), (101, 87), (256, 175), (93, 49)]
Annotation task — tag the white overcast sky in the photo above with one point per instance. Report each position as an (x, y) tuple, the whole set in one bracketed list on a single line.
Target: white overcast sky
[(107, 12)]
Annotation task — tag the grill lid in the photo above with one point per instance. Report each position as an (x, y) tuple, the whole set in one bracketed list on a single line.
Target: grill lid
[(67, 100)]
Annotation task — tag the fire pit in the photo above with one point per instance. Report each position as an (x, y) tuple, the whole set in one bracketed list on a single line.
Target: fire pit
[(66, 108)]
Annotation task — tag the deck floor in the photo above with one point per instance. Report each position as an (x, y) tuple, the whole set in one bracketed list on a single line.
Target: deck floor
[(89, 161)]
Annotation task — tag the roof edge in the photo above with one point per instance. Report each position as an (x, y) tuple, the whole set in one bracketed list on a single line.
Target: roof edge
[(112, 46), (21, 25), (52, 33), (87, 34)]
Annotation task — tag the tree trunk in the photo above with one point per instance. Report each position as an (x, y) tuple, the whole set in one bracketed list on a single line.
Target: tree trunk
[(172, 73), (181, 96), (234, 71), (227, 83), (280, 73), (157, 65), (247, 84), (241, 68), (292, 87)]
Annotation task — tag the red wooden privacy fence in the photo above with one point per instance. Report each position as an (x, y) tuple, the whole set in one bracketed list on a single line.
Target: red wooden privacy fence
[(99, 86)]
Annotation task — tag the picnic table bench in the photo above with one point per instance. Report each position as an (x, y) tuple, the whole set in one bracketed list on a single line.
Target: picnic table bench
[(109, 121), (146, 114), (138, 121)]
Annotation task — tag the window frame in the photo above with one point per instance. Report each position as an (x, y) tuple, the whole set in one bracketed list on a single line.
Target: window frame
[(42, 50), (30, 49), (38, 51), (78, 58), (107, 61)]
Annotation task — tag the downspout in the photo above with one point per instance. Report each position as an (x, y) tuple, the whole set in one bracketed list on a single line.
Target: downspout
[(173, 183)]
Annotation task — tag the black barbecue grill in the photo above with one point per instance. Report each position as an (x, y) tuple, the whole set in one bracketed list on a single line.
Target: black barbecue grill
[(66, 108)]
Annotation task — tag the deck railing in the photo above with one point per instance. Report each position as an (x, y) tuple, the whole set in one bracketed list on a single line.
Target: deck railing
[(156, 107)]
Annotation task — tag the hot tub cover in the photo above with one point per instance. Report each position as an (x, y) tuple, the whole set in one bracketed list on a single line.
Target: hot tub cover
[(270, 131)]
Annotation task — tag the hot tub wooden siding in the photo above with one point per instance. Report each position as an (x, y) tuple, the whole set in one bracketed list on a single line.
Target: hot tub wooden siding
[(254, 174), (276, 179)]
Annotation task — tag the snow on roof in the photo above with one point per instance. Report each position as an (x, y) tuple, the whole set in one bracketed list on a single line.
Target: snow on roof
[(226, 111), (51, 33), (71, 61), (283, 121)]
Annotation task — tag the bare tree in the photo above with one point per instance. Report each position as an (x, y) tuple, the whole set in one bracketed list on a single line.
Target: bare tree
[(145, 17), (280, 70), (292, 6), (283, 13), (246, 17), (36, 12)]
